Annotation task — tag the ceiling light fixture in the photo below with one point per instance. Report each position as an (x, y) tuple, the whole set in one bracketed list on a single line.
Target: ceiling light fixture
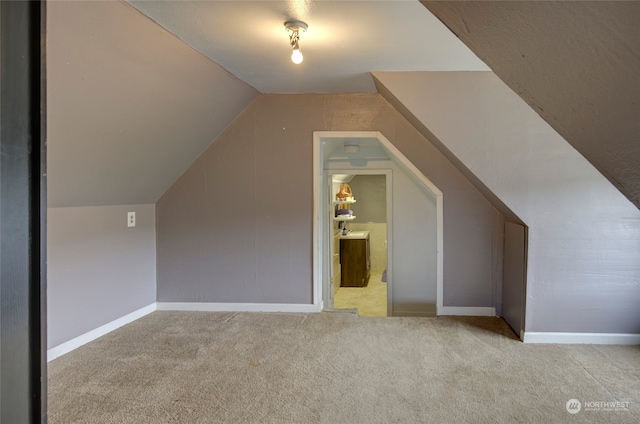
[(351, 147), (295, 28)]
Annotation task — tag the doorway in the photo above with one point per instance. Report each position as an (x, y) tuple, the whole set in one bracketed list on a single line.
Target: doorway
[(359, 234), (414, 244)]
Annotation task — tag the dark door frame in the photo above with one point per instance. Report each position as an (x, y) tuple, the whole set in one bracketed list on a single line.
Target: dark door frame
[(23, 377)]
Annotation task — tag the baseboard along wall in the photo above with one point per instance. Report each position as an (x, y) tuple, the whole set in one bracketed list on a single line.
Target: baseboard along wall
[(66, 347), (527, 337), (581, 338), (238, 307), (469, 311)]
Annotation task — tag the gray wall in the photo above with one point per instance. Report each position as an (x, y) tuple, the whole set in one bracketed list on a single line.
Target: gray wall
[(583, 270), (98, 269), (370, 192), (414, 276), (237, 225), (571, 61), (123, 96)]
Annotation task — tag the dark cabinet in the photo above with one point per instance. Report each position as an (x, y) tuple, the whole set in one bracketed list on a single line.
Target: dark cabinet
[(354, 262)]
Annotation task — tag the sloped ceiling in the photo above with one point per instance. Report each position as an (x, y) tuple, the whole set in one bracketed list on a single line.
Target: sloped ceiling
[(346, 40), (576, 63), (130, 106), (133, 99)]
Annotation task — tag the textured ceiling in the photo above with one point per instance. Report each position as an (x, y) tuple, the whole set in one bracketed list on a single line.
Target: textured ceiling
[(576, 63), (346, 40)]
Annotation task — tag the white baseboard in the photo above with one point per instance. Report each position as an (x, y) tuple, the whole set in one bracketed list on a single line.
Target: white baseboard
[(66, 347), (238, 307), (470, 311), (582, 338), (414, 314)]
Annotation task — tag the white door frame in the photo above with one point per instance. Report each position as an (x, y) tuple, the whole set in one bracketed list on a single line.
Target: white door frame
[(320, 276), (329, 217)]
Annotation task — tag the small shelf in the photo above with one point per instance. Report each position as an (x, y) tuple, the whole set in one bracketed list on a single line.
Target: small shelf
[(337, 203), (344, 218)]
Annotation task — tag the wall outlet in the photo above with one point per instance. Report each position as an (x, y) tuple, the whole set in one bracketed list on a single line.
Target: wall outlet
[(131, 219)]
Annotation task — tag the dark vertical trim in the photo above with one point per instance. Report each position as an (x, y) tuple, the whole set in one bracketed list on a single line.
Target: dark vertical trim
[(41, 50), (22, 213), (514, 284)]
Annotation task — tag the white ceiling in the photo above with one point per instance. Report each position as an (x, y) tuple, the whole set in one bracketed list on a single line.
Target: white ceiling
[(346, 40)]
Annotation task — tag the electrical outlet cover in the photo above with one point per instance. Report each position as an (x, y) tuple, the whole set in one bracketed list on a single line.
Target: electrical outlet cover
[(131, 219)]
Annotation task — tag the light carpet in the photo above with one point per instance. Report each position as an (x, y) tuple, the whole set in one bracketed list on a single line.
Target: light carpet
[(200, 367)]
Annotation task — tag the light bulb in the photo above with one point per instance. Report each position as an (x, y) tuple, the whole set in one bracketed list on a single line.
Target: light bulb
[(296, 56)]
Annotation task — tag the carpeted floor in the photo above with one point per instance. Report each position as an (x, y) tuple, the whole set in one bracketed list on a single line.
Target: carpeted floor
[(198, 367)]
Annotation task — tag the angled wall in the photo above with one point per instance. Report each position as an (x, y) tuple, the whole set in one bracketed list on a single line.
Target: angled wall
[(130, 106), (237, 225), (584, 235), (574, 62)]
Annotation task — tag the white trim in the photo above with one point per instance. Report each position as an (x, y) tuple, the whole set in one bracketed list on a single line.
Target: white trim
[(440, 253), (390, 258), (66, 347), (317, 224), (581, 338), (414, 314), (470, 311), (238, 307)]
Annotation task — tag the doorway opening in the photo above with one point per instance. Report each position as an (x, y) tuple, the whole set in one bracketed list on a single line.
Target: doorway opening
[(358, 235), (414, 214)]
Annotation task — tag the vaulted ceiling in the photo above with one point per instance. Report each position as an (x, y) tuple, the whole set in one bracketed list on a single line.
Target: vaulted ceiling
[(138, 90)]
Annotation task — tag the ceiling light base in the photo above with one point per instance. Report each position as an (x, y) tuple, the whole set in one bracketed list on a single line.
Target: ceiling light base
[(351, 147), (295, 25)]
